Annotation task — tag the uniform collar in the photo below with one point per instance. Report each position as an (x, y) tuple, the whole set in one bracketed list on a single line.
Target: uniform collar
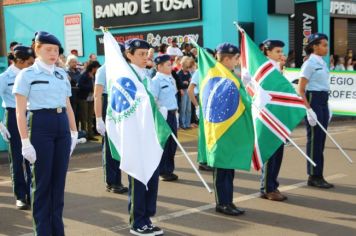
[(317, 58), (275, 64), (163, 76), (14, 70), (40, 66), (140, 71)]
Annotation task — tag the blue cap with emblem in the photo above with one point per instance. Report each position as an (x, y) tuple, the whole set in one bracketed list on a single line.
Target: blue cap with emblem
[(46, 38), (23, 49), (136, 44), (162, 59), (315, 37), (122, 47), (227, 48), (269, 44)]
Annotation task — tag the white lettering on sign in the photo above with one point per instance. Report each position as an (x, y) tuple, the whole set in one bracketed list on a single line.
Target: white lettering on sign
[(343, 8), (307, 29), (116, 10), (72, 20), (130, 8)]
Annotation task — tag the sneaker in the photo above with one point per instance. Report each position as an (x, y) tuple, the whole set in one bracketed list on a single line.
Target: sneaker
[(145, 230), (156, 230), (22, 204)]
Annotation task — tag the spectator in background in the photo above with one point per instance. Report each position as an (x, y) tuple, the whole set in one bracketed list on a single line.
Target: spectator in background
[(282, 62), (92, 57), (186, 50), (86, 98), (340, 64), (162, 49), (185, 76), (261, 46), (349, 64), (150, 65), (174, 50), (74, 52), (10, 56), (61, 62), (194, 52), (290, 63), (74, 75), (332, 62)]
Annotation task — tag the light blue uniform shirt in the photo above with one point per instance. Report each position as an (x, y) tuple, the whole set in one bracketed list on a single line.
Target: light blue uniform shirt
[(43, 90), (164, 90), (7, 80), (195, 81), (100, 78), (316, 71)]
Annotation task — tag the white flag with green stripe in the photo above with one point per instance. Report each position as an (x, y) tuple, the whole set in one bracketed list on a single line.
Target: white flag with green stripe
[(136, 130)]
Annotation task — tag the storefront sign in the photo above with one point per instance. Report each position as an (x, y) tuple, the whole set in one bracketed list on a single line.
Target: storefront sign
[(73, 36), (343, 8), (124, 13), (305, 24), (157, 37), (342, 94)]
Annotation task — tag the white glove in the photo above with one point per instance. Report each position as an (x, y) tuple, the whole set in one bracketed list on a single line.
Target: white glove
[(74, 136), (164, 112), (330, 113), (4, 132), (28, 151), (100, 126), (311, 116), (197, 111)]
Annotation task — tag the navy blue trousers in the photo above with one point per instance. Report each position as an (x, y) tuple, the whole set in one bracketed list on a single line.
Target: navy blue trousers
[(166, 166), (19, 167), (143, 202), (50, 136), (315, 136), (270, 171), (112, 172), (224, 185)]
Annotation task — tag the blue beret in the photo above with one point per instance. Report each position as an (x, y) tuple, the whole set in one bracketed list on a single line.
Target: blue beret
[(137, 44), (122, 47), (227, 48), (269, 44), (46, 38), (162, 59), (23, 49), (317, 36)]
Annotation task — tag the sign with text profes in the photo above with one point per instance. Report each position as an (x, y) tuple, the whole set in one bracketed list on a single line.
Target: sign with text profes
[(157, 37), (73, 35), (342, 94), (128, 13)]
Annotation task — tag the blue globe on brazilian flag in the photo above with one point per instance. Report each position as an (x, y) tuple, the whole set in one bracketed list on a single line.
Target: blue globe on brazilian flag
[(226, 135)]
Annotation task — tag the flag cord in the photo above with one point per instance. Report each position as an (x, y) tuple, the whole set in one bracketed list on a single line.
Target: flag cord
[(191, 163), (333, 140), (287, 137)]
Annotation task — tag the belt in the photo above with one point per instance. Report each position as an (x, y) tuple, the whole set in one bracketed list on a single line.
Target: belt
[(58, 110), (10, 109), (172, 111)]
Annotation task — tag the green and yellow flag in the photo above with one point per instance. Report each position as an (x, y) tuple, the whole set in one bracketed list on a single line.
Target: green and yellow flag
[(226, 135)]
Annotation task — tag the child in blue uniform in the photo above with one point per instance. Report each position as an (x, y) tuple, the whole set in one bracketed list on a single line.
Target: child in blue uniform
[(142, 201), (228, 55), (273, 50), (44, 91), (112, 172), (23, 57), (314, 88), (164, 90)]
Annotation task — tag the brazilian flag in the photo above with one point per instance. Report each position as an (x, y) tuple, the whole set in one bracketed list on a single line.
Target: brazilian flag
[(226, 134)]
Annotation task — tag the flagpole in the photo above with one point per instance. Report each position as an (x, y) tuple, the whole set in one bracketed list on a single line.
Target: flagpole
[(333, 140), (288, 138), (191, 163)]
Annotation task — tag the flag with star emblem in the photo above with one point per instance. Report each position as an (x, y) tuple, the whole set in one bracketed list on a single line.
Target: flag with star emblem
[(226, 134), (282, 108), (136, 129)]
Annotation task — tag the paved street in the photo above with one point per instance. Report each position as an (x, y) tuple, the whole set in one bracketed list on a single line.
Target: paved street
[(186, 208)]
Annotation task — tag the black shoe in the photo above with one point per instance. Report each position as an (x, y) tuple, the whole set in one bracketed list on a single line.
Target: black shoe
[(116, 188), (92, 139), (156, 230), (228, 210), (169, 177), (319, 182), (145, 230), (22, 204), (242, 211), (205, 167)]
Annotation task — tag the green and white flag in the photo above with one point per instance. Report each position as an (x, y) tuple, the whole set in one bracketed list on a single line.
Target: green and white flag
[(136, 130)]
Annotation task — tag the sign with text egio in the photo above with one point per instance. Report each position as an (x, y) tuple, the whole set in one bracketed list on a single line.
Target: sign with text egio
[(128, 13)]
